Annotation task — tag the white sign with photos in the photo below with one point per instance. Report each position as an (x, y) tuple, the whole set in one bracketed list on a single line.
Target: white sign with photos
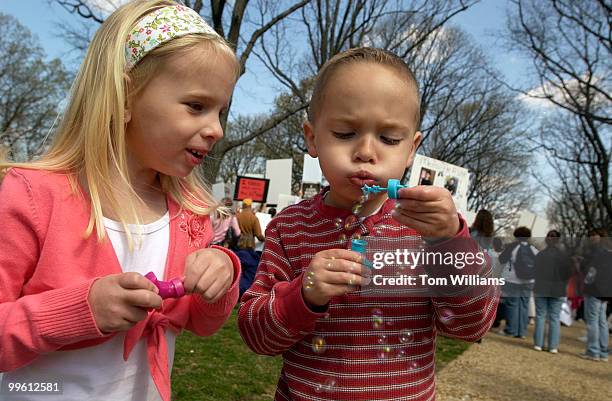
[(428, 171)]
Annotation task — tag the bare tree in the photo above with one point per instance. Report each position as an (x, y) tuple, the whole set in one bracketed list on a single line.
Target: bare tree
[(329, 28), (570, 46), (474, 122), (575, 192), (246, 159), (470, 119), (31, 89)]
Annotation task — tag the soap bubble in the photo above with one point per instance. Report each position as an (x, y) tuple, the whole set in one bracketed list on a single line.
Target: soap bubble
[(405, 336), (445, 315), (338, 222), (329, 384), (381, 339), (349, 221), (318, 345), (326, 386), (401, 353), (356, 236), (377, 318), (357, 208), (384, 352), (342, 237)]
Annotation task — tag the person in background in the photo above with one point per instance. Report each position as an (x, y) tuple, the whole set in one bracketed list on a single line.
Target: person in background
[(597, 290), (250, 229), (482, 232), (249, 226), (553, 270), (482, 229), (520, 273), (498, 268), (226, 228)]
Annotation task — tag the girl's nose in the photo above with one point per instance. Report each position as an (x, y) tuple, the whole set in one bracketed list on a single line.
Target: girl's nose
[(212, 130), (364, 151)]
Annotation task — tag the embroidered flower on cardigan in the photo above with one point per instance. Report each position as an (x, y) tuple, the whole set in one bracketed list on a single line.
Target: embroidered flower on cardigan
[(195, 228)]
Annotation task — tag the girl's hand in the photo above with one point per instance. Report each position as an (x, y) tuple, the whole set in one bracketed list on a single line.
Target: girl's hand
[(429, 210), (333, 272), (208, 272), (119, 301)]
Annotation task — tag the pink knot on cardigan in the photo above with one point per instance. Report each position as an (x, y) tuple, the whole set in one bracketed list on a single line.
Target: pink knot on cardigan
[(153, 328)]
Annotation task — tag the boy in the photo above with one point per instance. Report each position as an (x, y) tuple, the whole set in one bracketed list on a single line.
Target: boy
[(305, 302)]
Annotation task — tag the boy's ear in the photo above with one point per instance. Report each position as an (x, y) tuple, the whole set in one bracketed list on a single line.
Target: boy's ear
[(310, 139), (416, 141), (127, 114)]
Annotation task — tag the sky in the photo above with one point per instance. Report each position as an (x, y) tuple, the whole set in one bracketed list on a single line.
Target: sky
[(252, 94)]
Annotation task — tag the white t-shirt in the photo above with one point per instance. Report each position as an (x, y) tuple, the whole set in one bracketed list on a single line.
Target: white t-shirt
[(99, 372)]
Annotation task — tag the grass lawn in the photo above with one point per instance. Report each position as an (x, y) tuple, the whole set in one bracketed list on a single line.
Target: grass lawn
[(221, 367)]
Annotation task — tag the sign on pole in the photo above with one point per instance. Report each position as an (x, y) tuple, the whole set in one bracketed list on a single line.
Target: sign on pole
[(279, 173), (249, 187)]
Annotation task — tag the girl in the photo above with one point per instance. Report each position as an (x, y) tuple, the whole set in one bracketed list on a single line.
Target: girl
[(226, 228), (115, 197)]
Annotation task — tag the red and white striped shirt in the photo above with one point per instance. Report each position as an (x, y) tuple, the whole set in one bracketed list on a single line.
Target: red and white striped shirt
[(362, 347)]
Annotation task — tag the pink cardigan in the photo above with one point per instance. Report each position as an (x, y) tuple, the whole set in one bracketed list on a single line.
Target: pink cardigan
[(47, 267)]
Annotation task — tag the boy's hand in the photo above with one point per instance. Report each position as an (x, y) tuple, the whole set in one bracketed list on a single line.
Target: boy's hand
[(332, 272), (429, 210), (208, 272), (119, 301)]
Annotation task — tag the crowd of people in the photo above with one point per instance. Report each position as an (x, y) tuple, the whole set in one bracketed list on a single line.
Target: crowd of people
[(549, 277)]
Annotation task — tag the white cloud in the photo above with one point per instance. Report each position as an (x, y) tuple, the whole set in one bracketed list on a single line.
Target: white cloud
[(105, 7), (542, 95)]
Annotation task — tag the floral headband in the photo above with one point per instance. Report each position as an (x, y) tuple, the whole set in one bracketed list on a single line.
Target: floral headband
[(160, 26)]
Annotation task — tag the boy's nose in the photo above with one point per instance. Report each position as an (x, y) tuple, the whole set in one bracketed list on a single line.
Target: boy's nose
[(365, 150)]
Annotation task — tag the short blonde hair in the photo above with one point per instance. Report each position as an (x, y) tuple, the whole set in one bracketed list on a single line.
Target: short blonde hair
[(361, 55), (90, 140)]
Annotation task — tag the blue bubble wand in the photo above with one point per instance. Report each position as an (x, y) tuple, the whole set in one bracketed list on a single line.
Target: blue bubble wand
[(393, 186)]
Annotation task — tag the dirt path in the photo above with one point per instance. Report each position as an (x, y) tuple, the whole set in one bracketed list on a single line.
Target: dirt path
[(509, 369)]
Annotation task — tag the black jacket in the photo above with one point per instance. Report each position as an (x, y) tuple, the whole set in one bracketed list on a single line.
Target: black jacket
[(553, 270), (597, 268)]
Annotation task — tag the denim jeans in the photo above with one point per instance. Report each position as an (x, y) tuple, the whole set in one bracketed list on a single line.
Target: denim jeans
[(516, 306), (548, 308), (597, 327)]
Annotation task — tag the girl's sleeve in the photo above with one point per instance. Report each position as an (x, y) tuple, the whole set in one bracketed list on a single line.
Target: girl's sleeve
[(206, 318), (31, 325)]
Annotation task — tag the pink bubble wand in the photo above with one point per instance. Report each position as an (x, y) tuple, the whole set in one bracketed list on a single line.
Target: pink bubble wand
[(167, 289)]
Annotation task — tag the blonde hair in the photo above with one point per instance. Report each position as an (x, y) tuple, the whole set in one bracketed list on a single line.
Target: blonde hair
[(90, 140), (363, 55), (3, 160)]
